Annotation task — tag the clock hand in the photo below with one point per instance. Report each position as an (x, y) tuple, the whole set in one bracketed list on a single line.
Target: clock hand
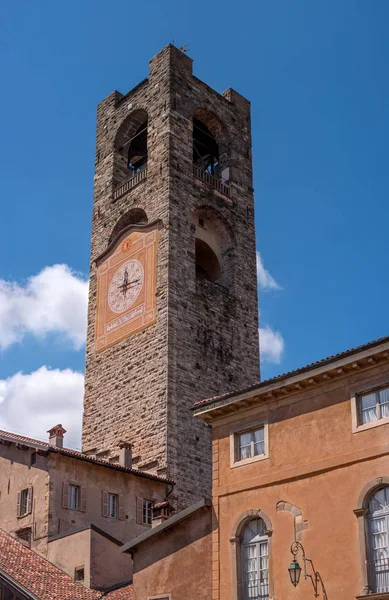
[(124, 286)]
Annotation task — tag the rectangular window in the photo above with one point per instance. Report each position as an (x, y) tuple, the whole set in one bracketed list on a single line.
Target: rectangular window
[(23, 502), (74, 497), (147, 512), (112, 506), (373, 406), (79, 574), (251, 443), (144, 511)]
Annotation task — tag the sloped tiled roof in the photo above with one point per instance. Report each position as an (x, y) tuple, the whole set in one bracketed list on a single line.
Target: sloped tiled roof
[(122, 593), (39, 577), (21, 439), (319, 363)]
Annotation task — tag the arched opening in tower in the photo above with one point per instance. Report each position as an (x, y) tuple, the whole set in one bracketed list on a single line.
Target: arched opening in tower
[(137, 149), (205, 149), (135, 216), (207, 263)]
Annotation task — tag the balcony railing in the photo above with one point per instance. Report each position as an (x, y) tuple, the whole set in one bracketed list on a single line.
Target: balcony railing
[(379, 570), (216, 183), (130, 183)]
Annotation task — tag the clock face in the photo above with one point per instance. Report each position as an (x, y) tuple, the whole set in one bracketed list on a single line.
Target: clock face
[(125, 286)]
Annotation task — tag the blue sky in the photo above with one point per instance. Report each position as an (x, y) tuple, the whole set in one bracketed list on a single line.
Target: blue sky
[(316, 75)]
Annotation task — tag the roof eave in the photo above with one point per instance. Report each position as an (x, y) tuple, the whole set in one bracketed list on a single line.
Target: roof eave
[(292, 384), (18, 586), (174, 520), (68, 452)]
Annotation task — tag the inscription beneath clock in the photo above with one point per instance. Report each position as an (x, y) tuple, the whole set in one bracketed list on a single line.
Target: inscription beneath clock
[(125, 318)]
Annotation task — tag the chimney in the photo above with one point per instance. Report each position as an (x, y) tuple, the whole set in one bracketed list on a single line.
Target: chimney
[(161, 512), (125, 455), (56, 434)]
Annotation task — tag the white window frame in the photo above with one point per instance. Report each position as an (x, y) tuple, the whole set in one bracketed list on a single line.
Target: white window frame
[(363, 390), (70, 496), (371, 517), (262, 542), (110, 497), (236, 431)]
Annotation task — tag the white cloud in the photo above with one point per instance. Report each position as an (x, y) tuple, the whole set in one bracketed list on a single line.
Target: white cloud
[(54, 301), (271, 345), (30, 404), (265, 280)]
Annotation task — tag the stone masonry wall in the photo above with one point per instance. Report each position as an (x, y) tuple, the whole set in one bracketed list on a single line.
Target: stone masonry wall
[(205, 340), (213, 331)]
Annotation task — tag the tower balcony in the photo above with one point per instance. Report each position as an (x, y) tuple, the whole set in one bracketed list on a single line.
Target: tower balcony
[(130, 183), (211, 180)]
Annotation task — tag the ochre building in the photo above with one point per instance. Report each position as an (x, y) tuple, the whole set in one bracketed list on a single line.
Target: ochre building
[(301, 462)]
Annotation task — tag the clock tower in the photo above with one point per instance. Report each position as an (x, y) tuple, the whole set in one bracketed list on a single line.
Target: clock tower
[(173, 288)]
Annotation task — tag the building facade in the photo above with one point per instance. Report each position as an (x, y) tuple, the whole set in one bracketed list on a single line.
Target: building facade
[(301, 463), (50, 496), (173, 294)]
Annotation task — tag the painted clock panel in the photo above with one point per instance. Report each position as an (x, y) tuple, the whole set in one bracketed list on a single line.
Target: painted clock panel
[(126, 286)]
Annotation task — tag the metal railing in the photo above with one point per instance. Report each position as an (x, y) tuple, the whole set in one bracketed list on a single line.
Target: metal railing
[(130, 183), (379, 574), (216, 183), (256, 589)]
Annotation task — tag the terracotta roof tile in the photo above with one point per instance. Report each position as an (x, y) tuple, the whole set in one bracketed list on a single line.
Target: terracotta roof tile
[(41, 578), (37, 575), (75, 454), (123, 593)]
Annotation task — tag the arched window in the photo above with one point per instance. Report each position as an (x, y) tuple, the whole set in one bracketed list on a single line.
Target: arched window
[(135, 216), (205, 148), (207, 263), (137, 149), (255, 560), (214, 247), (210, 146), (131, 152), (378, 530)]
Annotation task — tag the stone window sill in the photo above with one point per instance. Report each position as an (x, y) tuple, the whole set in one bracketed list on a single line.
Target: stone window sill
[(374, 596)]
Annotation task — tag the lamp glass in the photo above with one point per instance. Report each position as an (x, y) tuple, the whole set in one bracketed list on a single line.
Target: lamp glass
[(294, 572)]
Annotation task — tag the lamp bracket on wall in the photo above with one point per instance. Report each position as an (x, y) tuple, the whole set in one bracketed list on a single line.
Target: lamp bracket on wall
[(295, 570)]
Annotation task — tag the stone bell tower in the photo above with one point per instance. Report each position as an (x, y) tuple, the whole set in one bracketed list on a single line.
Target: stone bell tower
[(173, 288)]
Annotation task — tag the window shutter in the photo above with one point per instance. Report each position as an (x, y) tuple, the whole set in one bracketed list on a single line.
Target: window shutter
[(121, 508), (139, 510), (29, 500), (65, 493), (83, 499), (18, 504), (104, 507)]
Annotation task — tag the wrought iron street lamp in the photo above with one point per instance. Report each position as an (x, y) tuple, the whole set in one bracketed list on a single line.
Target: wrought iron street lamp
[(295, 570)]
